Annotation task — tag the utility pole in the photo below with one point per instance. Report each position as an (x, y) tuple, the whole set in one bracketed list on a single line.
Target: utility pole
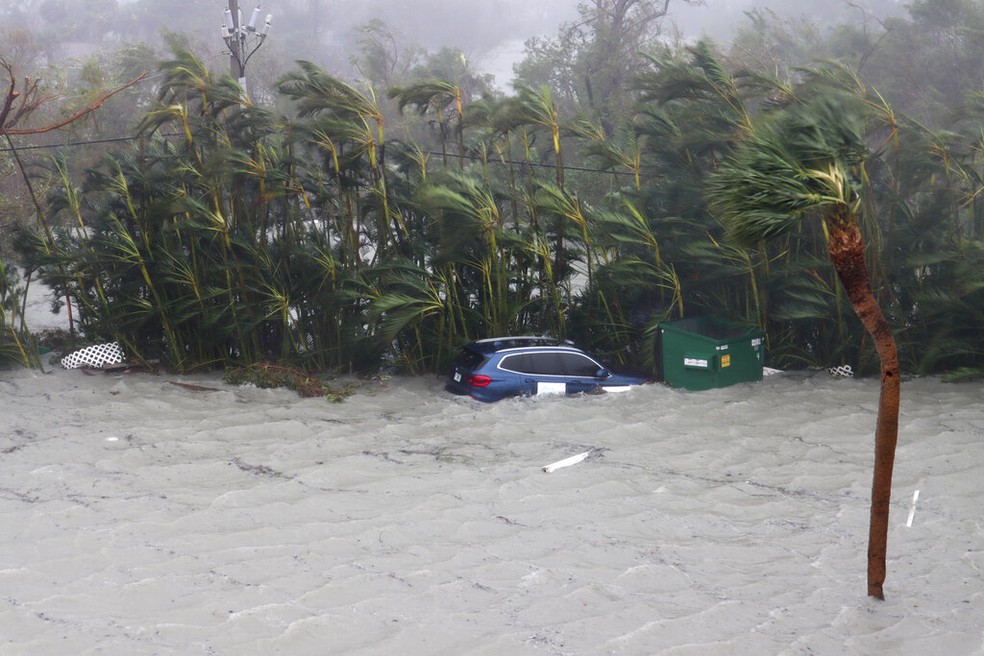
[(237, 66), (236, 34)]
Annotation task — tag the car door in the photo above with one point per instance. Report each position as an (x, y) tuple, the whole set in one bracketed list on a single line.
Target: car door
[(521, 370), (540, 372), (547, 373), (582, 372)]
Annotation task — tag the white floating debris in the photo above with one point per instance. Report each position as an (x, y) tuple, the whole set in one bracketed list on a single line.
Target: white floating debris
[(566, 462), (912, 509), (97, 356), (843, 371), (769, 371)]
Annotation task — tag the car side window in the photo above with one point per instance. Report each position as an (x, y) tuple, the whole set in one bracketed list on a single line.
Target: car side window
[(521, 363), (550, 364), (579, 365)]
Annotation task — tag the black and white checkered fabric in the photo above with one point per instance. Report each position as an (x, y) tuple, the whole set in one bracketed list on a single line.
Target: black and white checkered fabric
[(94, 356)]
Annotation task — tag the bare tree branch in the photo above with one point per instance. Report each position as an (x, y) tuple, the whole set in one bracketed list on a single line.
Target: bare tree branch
[(30, 99)]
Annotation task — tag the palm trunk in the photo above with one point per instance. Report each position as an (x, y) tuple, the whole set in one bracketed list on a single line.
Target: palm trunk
[(846, 249)]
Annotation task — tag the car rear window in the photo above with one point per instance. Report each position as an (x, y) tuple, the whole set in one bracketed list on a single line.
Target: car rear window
[(468, 359)]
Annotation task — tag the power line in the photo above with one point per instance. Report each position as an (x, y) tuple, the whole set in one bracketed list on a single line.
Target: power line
[(211, 57), (471, 158), (545, 165), (90, 142)]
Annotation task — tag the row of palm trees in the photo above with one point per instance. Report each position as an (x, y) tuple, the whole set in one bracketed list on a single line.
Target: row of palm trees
[(312, 236)]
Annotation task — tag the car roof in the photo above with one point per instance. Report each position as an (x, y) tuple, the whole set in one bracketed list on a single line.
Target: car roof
[(497, 344)]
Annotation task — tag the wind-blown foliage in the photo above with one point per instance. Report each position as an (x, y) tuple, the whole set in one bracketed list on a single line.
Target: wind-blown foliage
[(235, 234), (17, 344)]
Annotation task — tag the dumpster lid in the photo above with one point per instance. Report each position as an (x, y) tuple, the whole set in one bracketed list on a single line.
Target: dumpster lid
[(711, 327)]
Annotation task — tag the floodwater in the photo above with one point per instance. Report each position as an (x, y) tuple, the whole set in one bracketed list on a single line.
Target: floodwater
[(143, 517)]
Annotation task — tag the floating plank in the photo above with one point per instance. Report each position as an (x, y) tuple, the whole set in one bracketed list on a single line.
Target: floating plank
[(566, 462)]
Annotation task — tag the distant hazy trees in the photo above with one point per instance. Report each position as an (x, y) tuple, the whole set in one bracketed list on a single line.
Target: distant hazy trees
[(591, 63)]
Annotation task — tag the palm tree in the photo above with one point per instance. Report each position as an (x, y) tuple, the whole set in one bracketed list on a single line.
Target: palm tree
[(317, 94), (807, 161), (693, 114), (537, 108), (472, 240), (446, 100)]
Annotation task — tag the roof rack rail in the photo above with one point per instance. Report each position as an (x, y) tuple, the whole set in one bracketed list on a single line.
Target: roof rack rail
[(524, 340)]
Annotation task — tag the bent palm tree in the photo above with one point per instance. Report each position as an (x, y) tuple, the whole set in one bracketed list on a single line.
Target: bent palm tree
[(800, 162), (446, 100)]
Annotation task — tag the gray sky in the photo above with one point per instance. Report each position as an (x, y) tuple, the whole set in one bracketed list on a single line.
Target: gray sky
[(490, 32), (716, 19)]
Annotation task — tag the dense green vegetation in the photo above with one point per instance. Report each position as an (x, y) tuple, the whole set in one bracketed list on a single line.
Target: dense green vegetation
[(350, 225)]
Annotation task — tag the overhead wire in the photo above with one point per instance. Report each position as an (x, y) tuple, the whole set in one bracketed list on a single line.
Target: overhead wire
[(471, 158), (214, 56)]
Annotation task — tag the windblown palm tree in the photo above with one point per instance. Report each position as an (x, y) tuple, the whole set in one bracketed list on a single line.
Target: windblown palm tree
[(317, 94), (801, 162), (447, 102)]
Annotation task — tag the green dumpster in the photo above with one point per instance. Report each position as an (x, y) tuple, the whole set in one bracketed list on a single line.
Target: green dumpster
[(701, 353)]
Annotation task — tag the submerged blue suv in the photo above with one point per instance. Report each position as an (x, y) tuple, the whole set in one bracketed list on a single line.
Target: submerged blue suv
[(492, 369)]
